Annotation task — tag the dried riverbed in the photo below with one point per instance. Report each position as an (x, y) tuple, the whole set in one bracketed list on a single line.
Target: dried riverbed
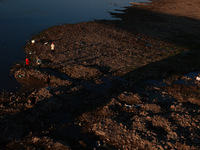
[(111, 87)]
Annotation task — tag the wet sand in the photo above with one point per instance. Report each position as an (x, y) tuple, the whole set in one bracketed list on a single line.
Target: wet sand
[(128, 84)]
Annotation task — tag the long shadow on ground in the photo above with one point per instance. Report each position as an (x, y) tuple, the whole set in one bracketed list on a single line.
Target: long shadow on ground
[(55, 117)]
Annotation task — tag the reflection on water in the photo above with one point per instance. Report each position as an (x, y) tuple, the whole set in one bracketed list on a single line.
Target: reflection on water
[(19, 19)]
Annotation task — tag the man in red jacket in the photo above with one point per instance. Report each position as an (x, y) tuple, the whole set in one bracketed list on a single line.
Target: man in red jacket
[(27, 62)]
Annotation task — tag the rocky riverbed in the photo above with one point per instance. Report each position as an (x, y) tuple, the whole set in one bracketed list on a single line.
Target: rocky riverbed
[(128, 84)]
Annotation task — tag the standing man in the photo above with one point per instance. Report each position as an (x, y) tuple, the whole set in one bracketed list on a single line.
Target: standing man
[(38, 62), (27, 62), (52, 47)]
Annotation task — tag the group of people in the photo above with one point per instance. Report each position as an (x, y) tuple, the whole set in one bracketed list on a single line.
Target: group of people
[(32, 98), (39, 61)]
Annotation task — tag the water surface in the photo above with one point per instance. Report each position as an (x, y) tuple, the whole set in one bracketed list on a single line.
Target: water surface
[(20, 19)]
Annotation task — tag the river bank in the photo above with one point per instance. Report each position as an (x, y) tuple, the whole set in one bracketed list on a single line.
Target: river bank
[(128, 84)]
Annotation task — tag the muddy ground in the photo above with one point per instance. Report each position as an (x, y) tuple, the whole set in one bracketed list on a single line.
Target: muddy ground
[(128, 84)]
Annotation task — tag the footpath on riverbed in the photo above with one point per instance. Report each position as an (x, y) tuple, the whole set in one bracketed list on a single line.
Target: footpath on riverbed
[(126, 84)]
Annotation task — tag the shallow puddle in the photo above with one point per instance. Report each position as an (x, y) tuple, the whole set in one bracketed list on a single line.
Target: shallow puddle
[(30, 83)]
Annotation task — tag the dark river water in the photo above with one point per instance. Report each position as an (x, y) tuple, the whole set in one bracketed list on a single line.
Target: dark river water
[(20, 19)]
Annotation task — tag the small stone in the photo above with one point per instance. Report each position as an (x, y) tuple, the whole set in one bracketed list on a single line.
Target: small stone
[(35, 139), (148, 118), (172, 107), (100, 133)]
